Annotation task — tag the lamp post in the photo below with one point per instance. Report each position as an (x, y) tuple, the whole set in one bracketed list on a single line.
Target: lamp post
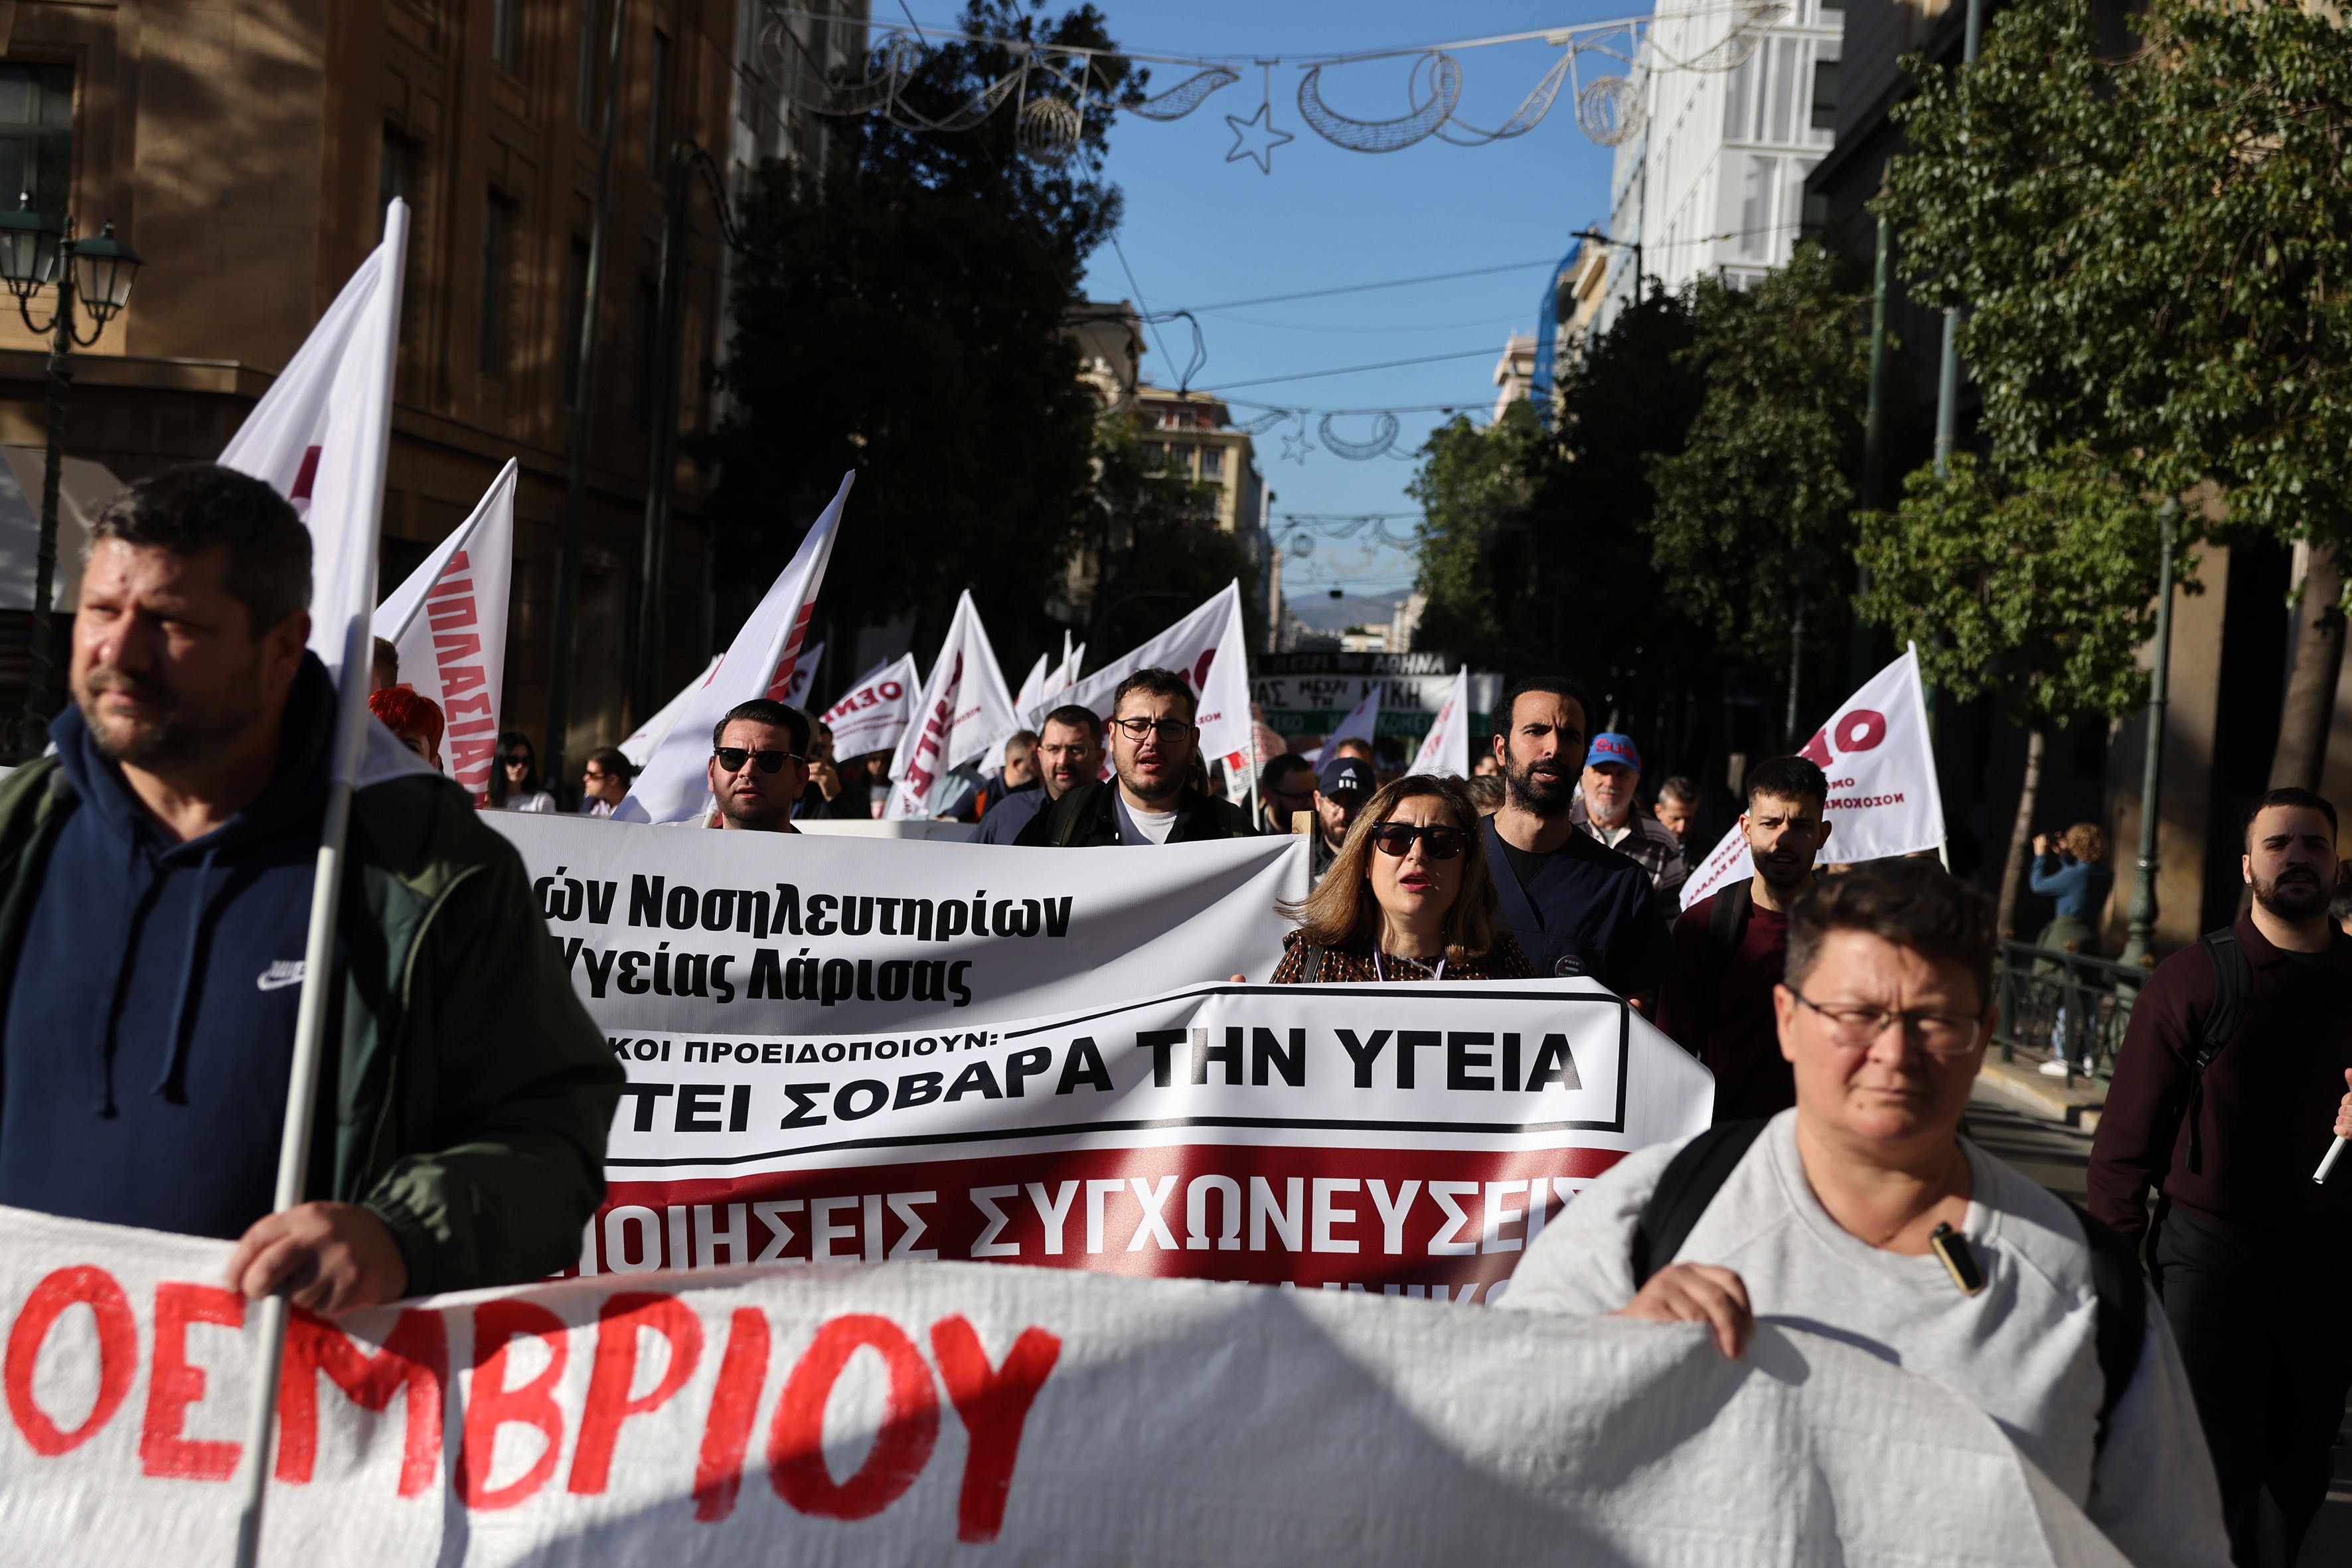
[(1947, 369), (35, 253), (1807, 565), (2140, 930)]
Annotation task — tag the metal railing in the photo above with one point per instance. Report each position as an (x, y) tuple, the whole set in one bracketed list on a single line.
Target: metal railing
[(2065, 1006)]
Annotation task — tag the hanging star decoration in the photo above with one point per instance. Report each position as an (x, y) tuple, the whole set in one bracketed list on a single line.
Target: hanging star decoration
[(1298, 443), (1256, 137)]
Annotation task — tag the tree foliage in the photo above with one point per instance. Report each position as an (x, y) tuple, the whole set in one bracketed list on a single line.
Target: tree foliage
[(899, 312), (1152, 532)]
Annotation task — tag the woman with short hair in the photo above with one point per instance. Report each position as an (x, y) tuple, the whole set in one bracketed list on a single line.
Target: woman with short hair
[(1406, 898)]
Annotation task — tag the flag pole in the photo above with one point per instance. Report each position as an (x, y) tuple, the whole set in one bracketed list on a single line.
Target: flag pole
[(319, 946)]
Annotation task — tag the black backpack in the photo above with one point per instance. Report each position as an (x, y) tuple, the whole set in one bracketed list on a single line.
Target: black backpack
[(2234, 989), (1698, 1171)]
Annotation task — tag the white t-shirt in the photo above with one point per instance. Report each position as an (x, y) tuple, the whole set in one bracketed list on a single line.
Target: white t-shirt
[(1136, 826), (2024, 1350)]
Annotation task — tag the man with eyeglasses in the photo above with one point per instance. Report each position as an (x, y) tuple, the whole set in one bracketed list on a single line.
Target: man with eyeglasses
[(1862, 1214), (1150, 799), (759, 765), (1069, 753)]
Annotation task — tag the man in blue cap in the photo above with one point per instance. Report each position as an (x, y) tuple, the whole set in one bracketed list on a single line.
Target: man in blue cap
[(1340, 795), (1606, 808)]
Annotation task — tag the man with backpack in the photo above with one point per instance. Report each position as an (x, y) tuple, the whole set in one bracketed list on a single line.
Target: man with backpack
[(1862, 1214), (2227, 1095), (1735, 942)]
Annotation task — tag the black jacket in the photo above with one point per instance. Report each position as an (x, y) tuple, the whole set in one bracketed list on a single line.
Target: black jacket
[(1089, 816)]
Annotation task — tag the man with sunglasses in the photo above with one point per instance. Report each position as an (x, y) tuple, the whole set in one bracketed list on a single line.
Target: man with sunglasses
[(759, 765), (1150, 799), (1862, 1214)]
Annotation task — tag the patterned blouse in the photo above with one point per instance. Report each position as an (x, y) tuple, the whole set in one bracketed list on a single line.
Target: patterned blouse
[(1353, 966)]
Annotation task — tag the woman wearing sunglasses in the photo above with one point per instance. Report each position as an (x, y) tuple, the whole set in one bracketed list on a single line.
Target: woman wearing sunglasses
[(1407, 898), (514, 783)]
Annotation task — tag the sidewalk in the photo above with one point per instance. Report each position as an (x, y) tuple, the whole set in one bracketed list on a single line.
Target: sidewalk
[(2043, 1129)]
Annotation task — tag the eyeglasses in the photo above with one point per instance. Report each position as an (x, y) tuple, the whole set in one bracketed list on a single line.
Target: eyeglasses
[(1439, 842), (732, 758), (1857, 1029), (1166, 729)]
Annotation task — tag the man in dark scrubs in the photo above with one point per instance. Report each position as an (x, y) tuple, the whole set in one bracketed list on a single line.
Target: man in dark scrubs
[(1577, 906)]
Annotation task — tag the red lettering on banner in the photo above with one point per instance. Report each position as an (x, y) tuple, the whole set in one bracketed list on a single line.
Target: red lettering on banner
[(172, 1384), (1817, 750), (451, 613), (609, 1402), (446, 583), (465, 755), (490, 1404), (909, 1430), (457, 705), (414, 1360), (456, 648), (993, 1405), (117, 1354), (742, 1372), (463, 677), (1860, 731)]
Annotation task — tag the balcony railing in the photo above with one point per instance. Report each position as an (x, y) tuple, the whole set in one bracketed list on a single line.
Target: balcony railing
[(2065, 1006)]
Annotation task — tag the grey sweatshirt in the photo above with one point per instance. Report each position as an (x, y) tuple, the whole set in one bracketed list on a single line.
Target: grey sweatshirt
[(2024, 1350)]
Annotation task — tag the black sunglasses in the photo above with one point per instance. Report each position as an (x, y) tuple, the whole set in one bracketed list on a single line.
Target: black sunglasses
[(517, 759), (1440, 842), (732, 758)]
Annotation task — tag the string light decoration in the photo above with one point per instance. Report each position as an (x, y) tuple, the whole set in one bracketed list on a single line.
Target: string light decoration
[(1049, 86), (1384, 437)]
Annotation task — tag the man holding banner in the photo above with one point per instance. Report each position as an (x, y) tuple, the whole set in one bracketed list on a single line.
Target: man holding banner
[(155, 885), (1153, 745)]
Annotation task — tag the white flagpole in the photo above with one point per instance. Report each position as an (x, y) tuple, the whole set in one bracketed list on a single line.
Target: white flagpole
[(319, 949)]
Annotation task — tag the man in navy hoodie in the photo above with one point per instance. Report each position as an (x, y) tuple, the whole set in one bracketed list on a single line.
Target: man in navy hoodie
[(155, 880)]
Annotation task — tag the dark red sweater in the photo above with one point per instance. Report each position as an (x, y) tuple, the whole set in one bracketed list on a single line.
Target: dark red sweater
[(2269, 1104), (1735, 1032)]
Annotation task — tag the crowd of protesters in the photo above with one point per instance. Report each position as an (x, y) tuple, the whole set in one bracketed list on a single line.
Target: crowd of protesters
[(2173, 1358)]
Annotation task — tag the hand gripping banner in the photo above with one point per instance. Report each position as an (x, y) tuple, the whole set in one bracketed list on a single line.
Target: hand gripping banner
[(959, 1415)]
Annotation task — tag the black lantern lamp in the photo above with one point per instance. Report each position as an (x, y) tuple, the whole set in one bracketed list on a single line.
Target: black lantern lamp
[(28, 251)]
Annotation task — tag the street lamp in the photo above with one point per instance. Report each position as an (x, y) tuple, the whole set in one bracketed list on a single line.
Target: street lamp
[(101, 270), (1808, 566)]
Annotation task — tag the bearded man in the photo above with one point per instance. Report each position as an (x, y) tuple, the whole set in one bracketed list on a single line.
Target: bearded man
[(2228, 1092), (1577, 906)]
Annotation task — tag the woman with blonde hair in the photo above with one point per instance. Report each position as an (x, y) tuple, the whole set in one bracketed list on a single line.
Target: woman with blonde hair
[(1407, 897), (2067, 869)]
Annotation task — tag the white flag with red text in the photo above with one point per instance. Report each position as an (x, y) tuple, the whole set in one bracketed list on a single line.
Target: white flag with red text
[(675, 786), (1210, 649), (963, 711), (872, 714), (1445, 750), (450, 622), (321, 436), (1881, 763)]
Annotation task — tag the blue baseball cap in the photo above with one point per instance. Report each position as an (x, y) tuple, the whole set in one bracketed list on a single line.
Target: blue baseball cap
[(1341, 775), (1612, 748)]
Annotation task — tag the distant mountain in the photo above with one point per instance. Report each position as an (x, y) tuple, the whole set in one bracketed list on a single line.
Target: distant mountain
[(1331, 616)]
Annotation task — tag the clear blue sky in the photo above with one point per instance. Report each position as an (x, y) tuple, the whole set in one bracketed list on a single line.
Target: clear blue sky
[(1202, 230)]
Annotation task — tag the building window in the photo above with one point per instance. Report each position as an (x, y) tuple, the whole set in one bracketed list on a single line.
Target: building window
[(1756, 207), (499, 226), (1784, 74), (37, 137), (1738, 97), (575, 314), (1155, 455), (1212, 462), (1825, 79), (656, 109), (504, 31)]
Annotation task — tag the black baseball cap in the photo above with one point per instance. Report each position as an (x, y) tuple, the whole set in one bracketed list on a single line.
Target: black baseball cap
[(1341, 775)]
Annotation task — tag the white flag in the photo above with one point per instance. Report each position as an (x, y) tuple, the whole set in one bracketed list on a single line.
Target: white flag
[(647, 738), (450, 622), (320, 436), (1033, 685), (963, 711), (1359, 725), (1446, 748), (675, 783), (1210, 649), (1065, 674), (872, 714), (1881, 764), (793, 688)]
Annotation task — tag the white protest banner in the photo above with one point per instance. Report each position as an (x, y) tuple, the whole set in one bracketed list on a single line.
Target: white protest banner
[(448, 622), (940, 1413), (1065, 675), (1445, 750), (793, 688), (1032, 686), (675, 786), (1211, 650), (872, 715), (646, 737), (1881, 761), (963, 712), (1362, 723)]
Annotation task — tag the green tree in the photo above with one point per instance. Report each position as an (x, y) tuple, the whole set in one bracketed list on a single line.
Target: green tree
[(2036, 586), (900, 313), (1759, 497), (2153, 243), (1153, 535)]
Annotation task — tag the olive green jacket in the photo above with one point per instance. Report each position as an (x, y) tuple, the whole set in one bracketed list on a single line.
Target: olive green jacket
[(464, 1094)]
